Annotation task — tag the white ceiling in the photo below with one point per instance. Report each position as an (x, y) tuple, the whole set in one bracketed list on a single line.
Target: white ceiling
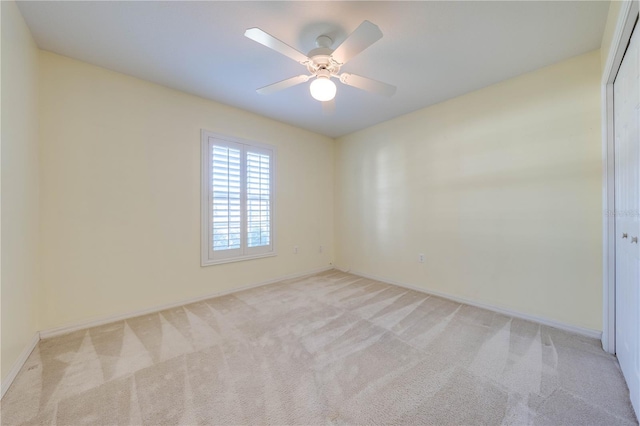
[(432, 51)]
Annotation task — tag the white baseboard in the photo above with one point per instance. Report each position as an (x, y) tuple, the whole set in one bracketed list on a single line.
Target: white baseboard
[(595, 334), (17, 365), (70, 328)]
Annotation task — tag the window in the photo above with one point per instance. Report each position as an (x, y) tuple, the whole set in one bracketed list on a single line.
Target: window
[(237, 199)]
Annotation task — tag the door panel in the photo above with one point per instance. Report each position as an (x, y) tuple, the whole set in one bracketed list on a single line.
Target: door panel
[(626, 91)]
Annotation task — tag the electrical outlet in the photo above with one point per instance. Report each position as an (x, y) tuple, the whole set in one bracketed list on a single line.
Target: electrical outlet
[(421, 258), (295, 249), (320, 249)]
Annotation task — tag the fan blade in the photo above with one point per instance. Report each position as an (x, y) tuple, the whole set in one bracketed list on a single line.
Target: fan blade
[(284, 84), (329, 107), (363, 36), (266, 39), (368, 84)]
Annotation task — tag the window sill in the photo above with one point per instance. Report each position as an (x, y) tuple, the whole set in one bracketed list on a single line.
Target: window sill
[(210, 262)]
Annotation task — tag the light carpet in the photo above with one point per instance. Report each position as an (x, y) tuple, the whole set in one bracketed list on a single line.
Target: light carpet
[(331, 348)]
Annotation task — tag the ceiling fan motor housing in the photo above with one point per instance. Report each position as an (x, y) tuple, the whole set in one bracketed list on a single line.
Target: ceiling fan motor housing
[(321, 60)]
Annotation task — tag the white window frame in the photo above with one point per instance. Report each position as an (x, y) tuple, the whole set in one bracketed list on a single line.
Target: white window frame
[(208, 255)]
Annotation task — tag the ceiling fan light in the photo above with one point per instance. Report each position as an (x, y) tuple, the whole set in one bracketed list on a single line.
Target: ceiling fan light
[(322, 89)]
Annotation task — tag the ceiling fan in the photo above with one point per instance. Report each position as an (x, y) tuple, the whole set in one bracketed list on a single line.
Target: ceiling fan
[(323, 63)]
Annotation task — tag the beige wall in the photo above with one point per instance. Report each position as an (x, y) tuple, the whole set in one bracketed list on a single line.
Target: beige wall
[(121, 194), (19, 189), (499, 188)]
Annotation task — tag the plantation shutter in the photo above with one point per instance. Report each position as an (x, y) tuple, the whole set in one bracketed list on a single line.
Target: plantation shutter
[(226, 199), (239, 201), (258, 199)]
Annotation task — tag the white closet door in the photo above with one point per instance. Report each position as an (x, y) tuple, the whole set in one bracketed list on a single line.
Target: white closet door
[(627, 194)]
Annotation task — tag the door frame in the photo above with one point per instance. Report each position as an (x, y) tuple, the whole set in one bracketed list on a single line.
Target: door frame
[(621, 36)]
